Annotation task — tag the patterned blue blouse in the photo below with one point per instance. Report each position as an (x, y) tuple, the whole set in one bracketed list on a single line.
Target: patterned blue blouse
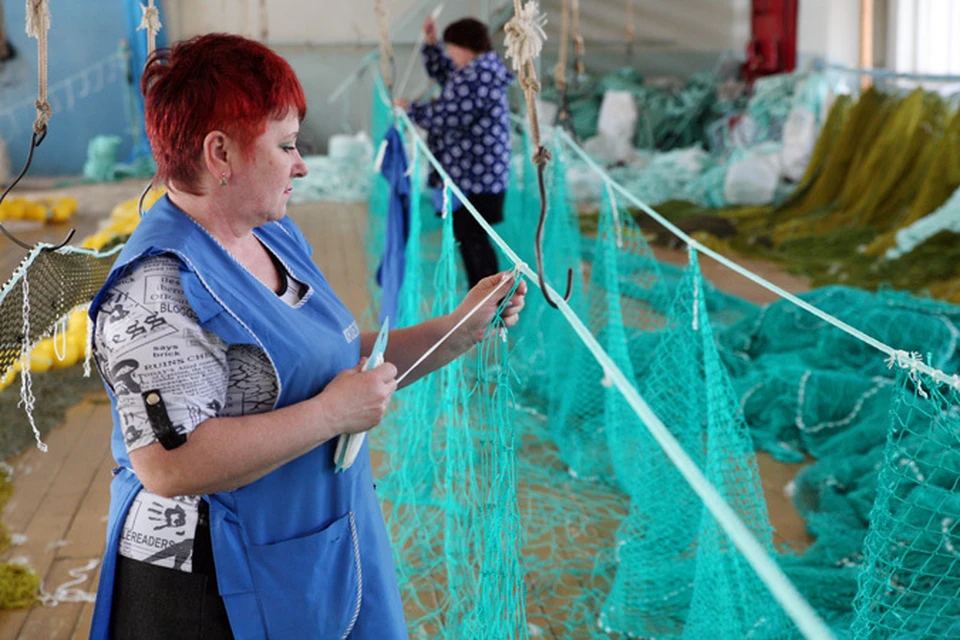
[(469, 124)]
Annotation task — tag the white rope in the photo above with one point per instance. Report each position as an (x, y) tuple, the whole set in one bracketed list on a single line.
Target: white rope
[(38, 17), (445, 208), (67, 592), (38, 24), (578, 46), (808, 621), (516, 274), (525, 34), (616, 215), (896, 356), (27, 399), (386, 47), (60, 331), (560, 71), (696, 292), (151, 23), (524, 42), (415, 55)]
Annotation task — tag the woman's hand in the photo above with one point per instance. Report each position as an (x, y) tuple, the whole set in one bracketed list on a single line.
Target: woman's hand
[(473, 329), (402, 103), (356, 401), (430, 31)]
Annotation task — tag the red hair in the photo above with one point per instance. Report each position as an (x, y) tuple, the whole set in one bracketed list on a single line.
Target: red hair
[(214, 82)]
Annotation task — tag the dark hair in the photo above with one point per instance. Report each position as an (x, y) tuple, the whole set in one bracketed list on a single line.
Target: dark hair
[(470, 34)]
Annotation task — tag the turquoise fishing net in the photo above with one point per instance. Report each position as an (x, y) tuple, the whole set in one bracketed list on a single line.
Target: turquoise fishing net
[(910, 581), (526, 499)]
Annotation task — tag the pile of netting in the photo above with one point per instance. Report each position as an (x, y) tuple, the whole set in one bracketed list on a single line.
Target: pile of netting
[(673, 114), (883, 163), (525, 497), (712, 144)]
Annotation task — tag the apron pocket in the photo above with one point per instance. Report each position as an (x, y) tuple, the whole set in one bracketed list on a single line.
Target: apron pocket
[(310, 587)]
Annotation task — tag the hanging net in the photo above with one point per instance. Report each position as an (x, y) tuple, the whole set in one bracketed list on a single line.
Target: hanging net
[(525, 496), (910, 581), (57, 282)]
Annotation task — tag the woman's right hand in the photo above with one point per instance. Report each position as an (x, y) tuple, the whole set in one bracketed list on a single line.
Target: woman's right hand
[(430, 31), (356, 401)]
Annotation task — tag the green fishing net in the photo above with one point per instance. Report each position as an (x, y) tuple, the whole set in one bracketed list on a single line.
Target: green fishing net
[(884, 161), (910, 580), (525, 497)]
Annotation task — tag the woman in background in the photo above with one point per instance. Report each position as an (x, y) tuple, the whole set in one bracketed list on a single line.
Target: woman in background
[(468, 129)]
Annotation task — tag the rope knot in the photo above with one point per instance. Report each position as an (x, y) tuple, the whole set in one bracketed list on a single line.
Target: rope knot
[(530, 83), (38, 17), (150, 20), (44, 112), (525, 35), (541, 157)]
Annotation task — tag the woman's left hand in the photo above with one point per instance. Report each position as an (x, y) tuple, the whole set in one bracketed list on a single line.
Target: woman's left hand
[(473, 329)]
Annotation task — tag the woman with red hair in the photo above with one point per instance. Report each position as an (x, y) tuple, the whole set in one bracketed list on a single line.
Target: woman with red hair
[(232, 367)]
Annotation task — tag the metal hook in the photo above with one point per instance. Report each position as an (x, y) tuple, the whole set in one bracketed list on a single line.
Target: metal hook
[(541, 157), (35, 141), (143, 196)]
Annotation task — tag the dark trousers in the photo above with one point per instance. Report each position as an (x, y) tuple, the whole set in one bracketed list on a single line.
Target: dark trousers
[(479, 255), (157, 603)]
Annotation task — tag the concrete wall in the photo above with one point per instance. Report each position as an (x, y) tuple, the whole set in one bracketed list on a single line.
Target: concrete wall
[(327, 39), (81, 33)]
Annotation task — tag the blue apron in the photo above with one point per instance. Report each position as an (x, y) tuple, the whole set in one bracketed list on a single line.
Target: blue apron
[(301, 552)]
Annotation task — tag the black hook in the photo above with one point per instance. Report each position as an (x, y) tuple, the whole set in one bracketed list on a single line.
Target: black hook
[(143, 196), (38, 137), (540, 159)]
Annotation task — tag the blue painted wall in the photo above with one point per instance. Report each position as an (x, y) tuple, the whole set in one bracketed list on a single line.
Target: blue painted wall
[(82, 33)]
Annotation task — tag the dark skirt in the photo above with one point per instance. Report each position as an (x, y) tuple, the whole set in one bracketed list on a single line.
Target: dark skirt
[(159, 603)]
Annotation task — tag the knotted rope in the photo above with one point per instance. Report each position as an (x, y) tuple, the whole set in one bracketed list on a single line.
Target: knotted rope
[(38, 24), (151, 23), (524, 42), (386, 47), (579, 50), (560, 71)]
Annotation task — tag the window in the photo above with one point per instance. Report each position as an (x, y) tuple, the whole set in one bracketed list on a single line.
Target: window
[(924, 36)]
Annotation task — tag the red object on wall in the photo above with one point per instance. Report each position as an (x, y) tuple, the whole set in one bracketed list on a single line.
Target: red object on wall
[(773, 38)]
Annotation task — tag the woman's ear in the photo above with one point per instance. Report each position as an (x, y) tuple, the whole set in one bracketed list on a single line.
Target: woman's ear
[(216, 155)]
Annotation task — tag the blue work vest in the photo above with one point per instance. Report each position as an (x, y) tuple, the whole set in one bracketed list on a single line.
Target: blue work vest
[(302, 552)]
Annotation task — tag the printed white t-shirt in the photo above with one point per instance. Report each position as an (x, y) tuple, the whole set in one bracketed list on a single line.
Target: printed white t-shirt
[(148, 338)]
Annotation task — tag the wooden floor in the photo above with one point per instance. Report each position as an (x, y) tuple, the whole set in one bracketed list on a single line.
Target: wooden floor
[(61, 498)]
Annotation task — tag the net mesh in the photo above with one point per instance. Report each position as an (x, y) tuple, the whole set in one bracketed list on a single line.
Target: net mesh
[(911, 572), (524, 496), (609, 538), (58, 282)]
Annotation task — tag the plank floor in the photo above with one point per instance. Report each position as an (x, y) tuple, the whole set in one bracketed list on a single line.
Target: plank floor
[(61, 498)]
